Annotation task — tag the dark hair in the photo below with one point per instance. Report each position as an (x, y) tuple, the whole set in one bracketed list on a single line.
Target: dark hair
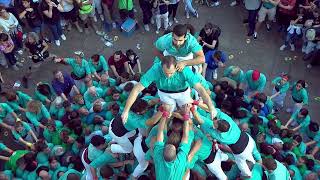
[(169, 61), (226, 106), (298, 138), (217, 55), (73, 176), (208, 26), (139, 106), (287, 146), (106, 171), (115, 107), (240, 114), (302, 82), (130, 52), (40, 145), (44, 89), (3, 36), (223, 125), (262, 97), (42, 168), (289, 159), (313, 126), (310, 164), (255, 120), (66, 104), (97, 140), (180, 30), (118, 52), (239, 92), (95, 57), (304, 112), (128, 87), (11, 96), (256, 105), (80, 140), (191, 29), (31, 162), (269, 163)]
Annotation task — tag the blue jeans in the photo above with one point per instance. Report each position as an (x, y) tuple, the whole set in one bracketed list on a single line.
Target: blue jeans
[(188, 7), (291, 38), (38, 29), (252, 15), (56, 30)]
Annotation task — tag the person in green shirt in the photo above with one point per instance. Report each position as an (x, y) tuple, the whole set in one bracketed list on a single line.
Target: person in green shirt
[(299, 96), (80, 67), (173, 86), (36, 112), (44, 93), (300, 120), (280, 87), (17, 100), (52, 132), (7, 113), (125, 9), (23, 133), (71, 174), (92, 95), (236, 74), (313, 133), (276, 170), (256, 82), (57, 108), (182, 45), (98, 64), (171, 163), (105, 83)]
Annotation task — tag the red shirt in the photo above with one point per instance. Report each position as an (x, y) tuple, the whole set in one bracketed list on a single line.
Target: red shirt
[(119, 65), (286, 3)]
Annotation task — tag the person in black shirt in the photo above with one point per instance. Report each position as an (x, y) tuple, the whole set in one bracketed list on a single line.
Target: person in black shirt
[(38, 48), (209, 37), (51, 16), (133, 61), (32, 15)]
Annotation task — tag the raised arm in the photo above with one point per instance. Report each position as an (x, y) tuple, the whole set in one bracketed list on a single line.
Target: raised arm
[(206, 98), (161, 128), (131, 99)]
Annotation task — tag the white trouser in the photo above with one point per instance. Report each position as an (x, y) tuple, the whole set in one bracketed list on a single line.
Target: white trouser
[(139, 154), (165, 20), (88, 176), (278, 100), (215, 166), (123, 143), (242, 158), (172, 99)]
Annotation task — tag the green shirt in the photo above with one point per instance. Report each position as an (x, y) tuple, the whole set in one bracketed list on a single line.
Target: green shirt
[(239, 78), (5, 109), (229, 137), (174, 170), (93, 152), (297, 174), (283, 88), (191, 45), (280, 173), (53, 137), (35, 118), (58, 112), (104, 158), (303, 122), (256, 85), (257, 172), (2, 147), (301, 95), (80, 70), (22, 101), (89, 99), (23, 133), (178, 81), (136, 121), (125, 4), (70, 171), (101, 66)]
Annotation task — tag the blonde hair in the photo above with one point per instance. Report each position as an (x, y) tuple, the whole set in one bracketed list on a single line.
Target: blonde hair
[(34, 106)]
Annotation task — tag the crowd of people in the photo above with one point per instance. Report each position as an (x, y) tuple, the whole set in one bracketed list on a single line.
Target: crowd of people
[(179, 119)]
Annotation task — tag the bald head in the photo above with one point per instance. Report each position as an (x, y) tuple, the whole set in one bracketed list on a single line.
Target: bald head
[(169, 153)]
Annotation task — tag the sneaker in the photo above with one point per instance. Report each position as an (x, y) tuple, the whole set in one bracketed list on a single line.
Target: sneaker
[(268, 27), (63, 37), (255, 35), (57, 42), (188, 15), (234, 3), (100, 33), (19, 64), (215, 4), (146, 27), (196, 14), (95, 19), (152, 21), (292, 48), (102, 17), (309, 66), (157, 31), (14, 67), (215, 75), (114, 25), (175, 20), (20, 51), (170, 23), (282, 47)]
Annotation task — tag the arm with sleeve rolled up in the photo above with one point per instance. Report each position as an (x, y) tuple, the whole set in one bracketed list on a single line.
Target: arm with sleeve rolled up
[(204, 69), (195, 148), (206, 98), (154, 119), (161, 128), (131, 99)]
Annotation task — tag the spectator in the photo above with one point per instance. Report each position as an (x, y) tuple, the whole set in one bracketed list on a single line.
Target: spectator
[(299, 95), (161, 12), (38, 48), (70, 14), (119, 64), (286, 12), (256, 82), (97, 7), (294, 32), (172, 8), (125, 9), (133, 61), (8, 48), (146, 8), (108, 11), (51, 15), (33, 16), (189, 9), (209, 37), (252, 7), (98, 64), (10, 25)]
